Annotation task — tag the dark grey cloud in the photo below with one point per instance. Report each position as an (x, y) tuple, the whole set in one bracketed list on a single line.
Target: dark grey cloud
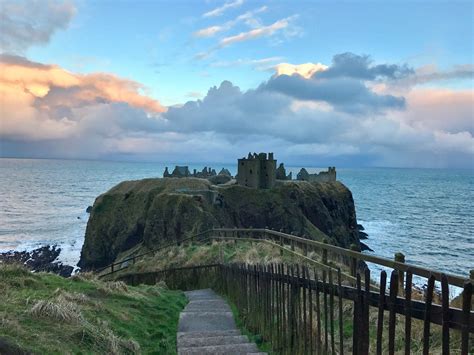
[(350, 65), (30, 22), (227, 110), (344, 93), (344, 84), (22, 61), (431, 74)]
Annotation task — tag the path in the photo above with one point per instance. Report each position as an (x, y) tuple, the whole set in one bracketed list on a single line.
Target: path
[(207, 326)]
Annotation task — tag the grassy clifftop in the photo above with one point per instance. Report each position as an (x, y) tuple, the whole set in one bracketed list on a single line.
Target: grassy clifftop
[(154, 211), (47, 314)]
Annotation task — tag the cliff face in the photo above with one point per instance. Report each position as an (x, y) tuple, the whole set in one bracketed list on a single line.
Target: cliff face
[(154, 211)]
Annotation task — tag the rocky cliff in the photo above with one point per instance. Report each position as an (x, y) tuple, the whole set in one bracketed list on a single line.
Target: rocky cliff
[(154, 211)]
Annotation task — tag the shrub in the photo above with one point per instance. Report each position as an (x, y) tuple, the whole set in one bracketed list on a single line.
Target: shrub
[(60, 310)]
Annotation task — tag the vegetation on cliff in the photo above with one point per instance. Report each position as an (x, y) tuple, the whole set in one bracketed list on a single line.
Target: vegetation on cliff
[(48, 314), (155, 211)]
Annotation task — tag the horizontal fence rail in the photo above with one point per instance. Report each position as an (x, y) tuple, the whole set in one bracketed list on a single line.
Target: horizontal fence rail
[(288, 243), (299, 310)]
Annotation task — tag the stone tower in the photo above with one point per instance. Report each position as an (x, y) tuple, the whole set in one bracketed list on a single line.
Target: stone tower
[(257, 171)]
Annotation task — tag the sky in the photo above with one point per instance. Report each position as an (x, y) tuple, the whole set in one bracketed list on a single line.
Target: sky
[(319, 83)]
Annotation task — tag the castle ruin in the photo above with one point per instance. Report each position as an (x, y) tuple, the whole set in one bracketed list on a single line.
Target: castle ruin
[(323, 176), (257, 171)]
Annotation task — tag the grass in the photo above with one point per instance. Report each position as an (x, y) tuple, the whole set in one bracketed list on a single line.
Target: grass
[(253, 253), (45, 313), (262, 345), (217, 251)]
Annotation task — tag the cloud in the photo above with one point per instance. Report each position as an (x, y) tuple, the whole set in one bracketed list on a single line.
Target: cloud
[(263, 31), (343, 84), (345, 94), (306, 70), (26, 23), (54, 113), (431, 74), (47, 102), (247, 17), (220, 10), (209, 31), (281, 25), (440, 109), (338, 118), (356, 66)]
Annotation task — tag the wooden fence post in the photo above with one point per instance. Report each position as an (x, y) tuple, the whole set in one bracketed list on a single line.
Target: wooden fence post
[(383, 282), (354, 247), (427, 320), (325, 253), (466, 306), (392, 314), (400, 257), (408, 287), (445, 310), (356, 318)]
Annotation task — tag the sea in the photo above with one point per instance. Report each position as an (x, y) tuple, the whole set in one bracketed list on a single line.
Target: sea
[(427, 214)]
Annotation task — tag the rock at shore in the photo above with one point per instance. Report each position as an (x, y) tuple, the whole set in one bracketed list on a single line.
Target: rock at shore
[(365, 247), (40, 259), (155, 211)]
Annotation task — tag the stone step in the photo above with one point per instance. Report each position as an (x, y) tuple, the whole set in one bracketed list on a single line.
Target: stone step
[(209, 334), (210, 307), (202, 308), (208, 301), (207, 326), (205, 321), (202, 295), (208, 341), (230, 349)]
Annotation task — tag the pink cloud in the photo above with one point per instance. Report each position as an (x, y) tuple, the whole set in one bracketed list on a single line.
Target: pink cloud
[(38, 101)]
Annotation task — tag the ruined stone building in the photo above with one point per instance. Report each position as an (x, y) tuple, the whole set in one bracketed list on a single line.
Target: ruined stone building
[(257, 171), (205, 173), (183, 171), (179, 171), (323, 176), (281, 173)]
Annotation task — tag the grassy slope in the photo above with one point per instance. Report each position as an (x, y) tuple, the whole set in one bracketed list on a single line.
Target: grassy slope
[(227, 252), (251, 253), (84, 315)]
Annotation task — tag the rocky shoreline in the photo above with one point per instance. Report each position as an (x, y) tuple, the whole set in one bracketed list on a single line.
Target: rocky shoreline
[(40, 259)]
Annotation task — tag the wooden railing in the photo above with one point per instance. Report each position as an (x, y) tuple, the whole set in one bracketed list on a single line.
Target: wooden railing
[(298, 310), (289, 243)]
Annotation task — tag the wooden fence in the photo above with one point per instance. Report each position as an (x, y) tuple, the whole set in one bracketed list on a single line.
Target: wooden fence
[(300, 247), (308, 311)]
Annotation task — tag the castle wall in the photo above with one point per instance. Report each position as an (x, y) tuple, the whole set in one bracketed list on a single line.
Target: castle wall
[(323, 176), (267, 173), (249, 173)]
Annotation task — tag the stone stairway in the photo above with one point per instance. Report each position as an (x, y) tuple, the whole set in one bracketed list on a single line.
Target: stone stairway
[(207, 326)]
